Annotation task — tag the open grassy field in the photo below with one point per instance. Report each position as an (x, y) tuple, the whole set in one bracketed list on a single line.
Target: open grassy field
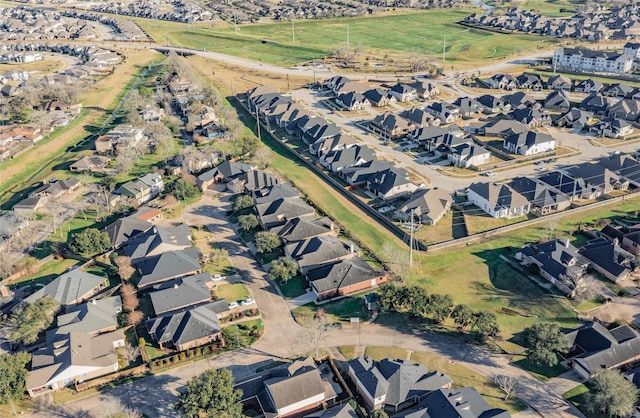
[(382, 37)]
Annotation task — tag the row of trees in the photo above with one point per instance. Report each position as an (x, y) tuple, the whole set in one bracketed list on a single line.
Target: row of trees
[(415, 301)]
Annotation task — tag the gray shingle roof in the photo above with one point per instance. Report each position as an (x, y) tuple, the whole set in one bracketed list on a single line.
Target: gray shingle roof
[(368, 374), (302, 228), (409, 380), (68, 287), (181, 293), (157, 240), (286, 391), (278, 212), (341, 275), (184, 327), (166, 266), (318, 251), (454, 403), (89, 317)]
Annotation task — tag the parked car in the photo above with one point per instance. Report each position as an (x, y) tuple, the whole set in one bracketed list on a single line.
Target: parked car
[(233, 305), (490, 173), (218, 277), (246, 302)]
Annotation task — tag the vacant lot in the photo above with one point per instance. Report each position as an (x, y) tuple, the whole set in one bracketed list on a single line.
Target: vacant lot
[(381, 38)]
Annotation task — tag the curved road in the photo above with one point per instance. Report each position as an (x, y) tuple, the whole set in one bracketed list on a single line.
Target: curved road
[(284, 338)]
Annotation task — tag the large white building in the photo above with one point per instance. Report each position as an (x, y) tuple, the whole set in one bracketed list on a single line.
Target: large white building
[(579, 59)]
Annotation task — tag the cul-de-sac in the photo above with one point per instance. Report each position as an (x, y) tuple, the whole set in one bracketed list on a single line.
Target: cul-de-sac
[(320, 209)]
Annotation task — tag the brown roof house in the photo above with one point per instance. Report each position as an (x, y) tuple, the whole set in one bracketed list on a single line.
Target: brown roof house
[(77, 358)]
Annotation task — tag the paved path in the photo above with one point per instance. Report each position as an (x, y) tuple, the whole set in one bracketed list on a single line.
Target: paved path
[(284, 338)]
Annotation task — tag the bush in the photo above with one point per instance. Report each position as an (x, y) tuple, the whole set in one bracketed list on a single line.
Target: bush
[(243, 327), (182, 356)]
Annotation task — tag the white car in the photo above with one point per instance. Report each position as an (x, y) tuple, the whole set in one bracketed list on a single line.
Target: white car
[(218, 277), (246, 302), (490, 173), (233, 305)]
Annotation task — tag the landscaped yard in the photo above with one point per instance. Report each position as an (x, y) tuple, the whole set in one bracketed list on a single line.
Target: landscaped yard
[(340, 311), (541, 372), (348, 351), (232, 292), (578, 397), (243, 334), (47, 272), (293, 287), (378, 353), (478, 221), (464, 377)]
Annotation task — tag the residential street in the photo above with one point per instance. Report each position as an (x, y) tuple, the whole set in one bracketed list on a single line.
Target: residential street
[(284, 338)]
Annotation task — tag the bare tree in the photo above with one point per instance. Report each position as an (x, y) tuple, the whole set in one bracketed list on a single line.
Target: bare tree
[(132, 352), (125, 160), (587, 288), (125, 269), (316, 330), (134, 317), (508, 384), (397, 257), (112, 407), (130, 301), (263, 156)]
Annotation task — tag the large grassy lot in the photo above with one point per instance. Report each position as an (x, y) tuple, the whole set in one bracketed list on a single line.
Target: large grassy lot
[(391, 35)]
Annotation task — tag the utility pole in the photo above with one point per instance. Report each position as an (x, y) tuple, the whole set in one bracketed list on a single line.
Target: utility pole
[(348, 43), (293, 31), (258, 124), (444, 46), (235, 23), (411, 243)]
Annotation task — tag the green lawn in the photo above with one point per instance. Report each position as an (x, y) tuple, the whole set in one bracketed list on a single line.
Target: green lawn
[(294, 287), (239, 335), (578, 397), (464, 377), (339, 311), (379, 353), (232, 292), (348, 351), (541, 372), (47, 272), (380, 37)]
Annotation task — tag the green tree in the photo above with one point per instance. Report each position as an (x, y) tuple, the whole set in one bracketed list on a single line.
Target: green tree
[(378, 413), (242, 202), (462, 315), (183, 190), (89, 241), (416, 300), (543, 340), (283, 269), (211, 394), (266, 242), (439, 306), (388, 297), (13, 375), (28, 321), (485, 324), (612, 394), (248, 222)]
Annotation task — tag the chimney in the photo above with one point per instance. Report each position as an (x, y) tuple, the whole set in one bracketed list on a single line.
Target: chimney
[(566, 242), (93, 301), (331, 226), (351, 247), (175, 285)]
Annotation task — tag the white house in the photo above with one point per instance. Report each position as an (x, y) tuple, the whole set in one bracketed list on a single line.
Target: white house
[(529, 143), (498, 200)]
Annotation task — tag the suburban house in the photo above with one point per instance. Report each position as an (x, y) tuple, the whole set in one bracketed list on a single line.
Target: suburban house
[(157, 240), (627, 237), (93, 317), (181, 293), (299, 229), (379, 97), (492, 104), (461, 402), (588, 86), (446, 112), (71, 288), (570, 186), (617, 90), (521, 100), (391, 183), (122, 229), (529, 81), (316, 252), (593, 348), (533, 118), (186, 329), (627, 109), (419, 118), (359, 175), (336, 143), (143, 189), (557, 100), (394, 385), (343, 278), (468, 107), (428, 206), (502, 82), (341, 411), (497, 127), (353, 101), (598, 177), (223, 173), (425, 89), (624, 165), (79, 357), (575, 118), (559, 82), (558, 262), (469, 154), (280, 211), (348, 157), (607, 258), (544, 198), (529, 143), (391, 126), (56, 189), (90, 163), (595, 103), (166, 266), (612, 128), (297, 390), (273, 193), (586, 60), (498, 200), (403, 92)]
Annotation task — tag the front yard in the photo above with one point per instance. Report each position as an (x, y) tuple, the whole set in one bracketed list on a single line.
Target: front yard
[(339, 311), (232, 292)]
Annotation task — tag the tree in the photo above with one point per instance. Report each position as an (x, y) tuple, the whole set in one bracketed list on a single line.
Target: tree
[(283, 269), (28, 321), (242, 202), (89, 241), (543, 340), (508, 384), (248, 222), (263, 156), (134, 318), (13, 375), (211, 394), (217, 255), (183, 190), (378, 413), (397, 257), (485, 324), (130, 301), (439, 306), (316, 330), (266, 242), (612, 394), (416, 300), (125, 161), (462, 315), (125, 269), (132, 352), (114, 408)]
